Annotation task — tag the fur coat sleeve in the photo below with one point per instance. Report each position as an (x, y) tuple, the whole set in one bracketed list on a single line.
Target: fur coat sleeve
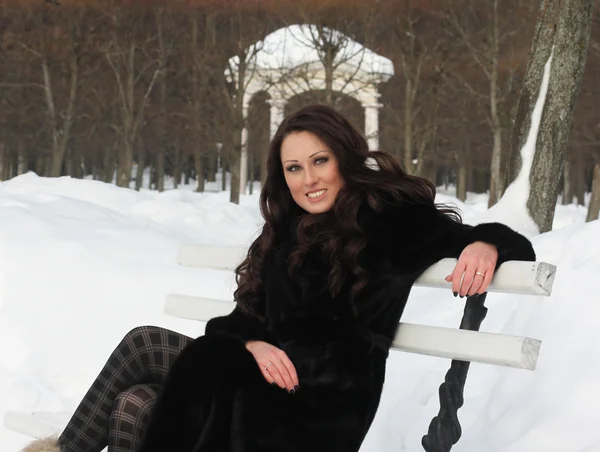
[(429, 235), (238, 325)]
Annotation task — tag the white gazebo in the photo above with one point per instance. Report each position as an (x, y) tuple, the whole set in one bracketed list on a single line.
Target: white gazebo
[(287, 63)]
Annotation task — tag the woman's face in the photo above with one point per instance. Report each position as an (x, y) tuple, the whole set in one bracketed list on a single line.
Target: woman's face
[(311, 171)]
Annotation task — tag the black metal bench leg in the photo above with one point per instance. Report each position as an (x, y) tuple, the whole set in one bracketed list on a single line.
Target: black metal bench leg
[(444, 429)]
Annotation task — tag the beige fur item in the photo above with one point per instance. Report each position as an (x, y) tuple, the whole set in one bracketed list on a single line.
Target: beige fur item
[(48, 444)]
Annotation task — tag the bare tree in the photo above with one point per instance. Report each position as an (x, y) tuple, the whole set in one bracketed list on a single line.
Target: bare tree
[(562, 31), (411, 113), (243, 26), (201, 45), (127, 55), (484, 29), (57, 48)]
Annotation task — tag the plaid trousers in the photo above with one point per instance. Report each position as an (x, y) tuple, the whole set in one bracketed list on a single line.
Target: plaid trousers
[(117, 406)]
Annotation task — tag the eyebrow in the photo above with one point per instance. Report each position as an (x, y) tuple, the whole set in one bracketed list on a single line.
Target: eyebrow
[(310, 156)]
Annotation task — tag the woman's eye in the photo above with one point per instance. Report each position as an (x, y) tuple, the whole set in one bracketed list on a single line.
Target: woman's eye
[(292, 168), (321, 160)]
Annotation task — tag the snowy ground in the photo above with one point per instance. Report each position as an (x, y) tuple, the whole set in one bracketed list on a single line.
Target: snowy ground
[(82, 262)]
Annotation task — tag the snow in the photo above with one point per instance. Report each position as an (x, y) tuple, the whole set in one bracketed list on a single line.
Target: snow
[(293, 46), (83, 262), (515, 197)]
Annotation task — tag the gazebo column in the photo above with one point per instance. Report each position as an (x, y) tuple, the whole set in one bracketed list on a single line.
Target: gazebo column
[(277, 114), (244, 159), (372, 124)]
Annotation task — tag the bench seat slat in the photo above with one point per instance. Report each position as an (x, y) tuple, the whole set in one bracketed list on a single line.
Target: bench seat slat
[(488, 348), (38, 424)]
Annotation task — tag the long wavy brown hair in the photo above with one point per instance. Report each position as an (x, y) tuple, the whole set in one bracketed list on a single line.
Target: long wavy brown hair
[(371, 178)]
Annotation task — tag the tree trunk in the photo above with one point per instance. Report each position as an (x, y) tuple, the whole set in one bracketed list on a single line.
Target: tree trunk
[(141, 162), (250, 176), (151, 174), (68, 162), (9, 168), (109, 163), (187, 172), (496, 164), (95, 172), (479, 183), (211, 170), (430, 172), (47, 166), (462, 175), (177, 166), (566, 27), (2, 160), (60, 134), (594, 208), (408, 112), (160, 168), (39, 164), (125, 164), (78, 169), (235, 166), (22, 165), (235, 157), (199, 167), (567, 197), (579, 181)]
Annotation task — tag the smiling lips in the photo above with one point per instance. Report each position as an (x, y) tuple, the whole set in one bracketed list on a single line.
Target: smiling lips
[(314, 196)]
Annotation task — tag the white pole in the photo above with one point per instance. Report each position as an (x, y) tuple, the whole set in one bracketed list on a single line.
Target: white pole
[(244, 160), (372, 124)]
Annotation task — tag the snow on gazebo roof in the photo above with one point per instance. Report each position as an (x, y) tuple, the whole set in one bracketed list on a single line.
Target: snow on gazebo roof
[(292, 47)]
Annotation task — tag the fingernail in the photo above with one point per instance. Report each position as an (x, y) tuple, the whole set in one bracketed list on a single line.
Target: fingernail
[(293, 391), (455, 294), (296, 387), (462, 296), (273, 384)]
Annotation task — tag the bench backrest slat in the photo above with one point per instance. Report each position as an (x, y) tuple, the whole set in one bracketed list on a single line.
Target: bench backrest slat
[(530, 278)]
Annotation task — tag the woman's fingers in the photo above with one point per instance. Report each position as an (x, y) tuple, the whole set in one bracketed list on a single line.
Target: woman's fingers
[(273, 375), (291, 370), (487, 279), (457, 276), (474, 269), (476, 285), (278, 370), (274, 364), (467, 279)]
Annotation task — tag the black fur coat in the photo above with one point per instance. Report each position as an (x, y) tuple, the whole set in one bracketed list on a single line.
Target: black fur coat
[(216, 399)]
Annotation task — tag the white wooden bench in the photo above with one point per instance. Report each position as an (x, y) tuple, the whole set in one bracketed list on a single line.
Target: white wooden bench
[(531, 278), (461, 345)]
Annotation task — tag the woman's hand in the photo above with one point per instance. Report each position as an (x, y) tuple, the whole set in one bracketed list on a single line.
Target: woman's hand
[(474, 269), (274, 364)]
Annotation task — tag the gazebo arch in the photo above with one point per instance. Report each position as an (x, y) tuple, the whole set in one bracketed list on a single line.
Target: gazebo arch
[(285, 65)]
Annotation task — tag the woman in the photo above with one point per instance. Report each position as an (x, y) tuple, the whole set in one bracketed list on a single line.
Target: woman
[(299, 364)]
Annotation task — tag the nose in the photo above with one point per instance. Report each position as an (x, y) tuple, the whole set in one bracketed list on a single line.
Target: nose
[(310, 177)]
